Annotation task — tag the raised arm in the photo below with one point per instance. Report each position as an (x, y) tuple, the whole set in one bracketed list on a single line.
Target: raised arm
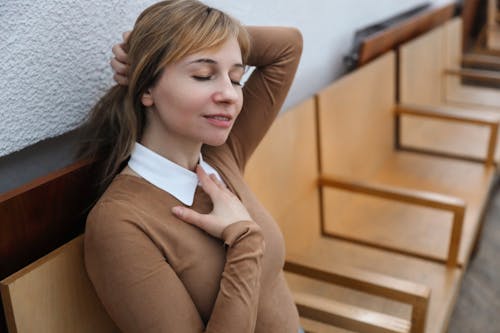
[(275, 52)]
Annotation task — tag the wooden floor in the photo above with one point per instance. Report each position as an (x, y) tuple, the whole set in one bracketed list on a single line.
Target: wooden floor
[(478, 305)]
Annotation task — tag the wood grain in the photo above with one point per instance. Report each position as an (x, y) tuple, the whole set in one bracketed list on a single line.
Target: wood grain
[(54, 294), (44, 214)]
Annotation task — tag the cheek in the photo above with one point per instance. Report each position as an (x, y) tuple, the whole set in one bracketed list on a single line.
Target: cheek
[(240, 102)]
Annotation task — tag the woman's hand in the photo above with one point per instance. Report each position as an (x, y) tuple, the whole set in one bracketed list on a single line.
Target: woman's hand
[(227, 210), (119, 63)]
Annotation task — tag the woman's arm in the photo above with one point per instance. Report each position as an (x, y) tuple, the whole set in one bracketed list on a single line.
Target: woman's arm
[(275, 52), (141, 291)]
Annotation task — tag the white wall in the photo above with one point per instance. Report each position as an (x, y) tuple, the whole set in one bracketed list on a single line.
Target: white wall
[(54, 54)]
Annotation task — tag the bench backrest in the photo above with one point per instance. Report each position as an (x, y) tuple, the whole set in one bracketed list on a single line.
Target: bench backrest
[(356, 124), (288, 187), (421, 69), (39, 216), (54, 295), (422, 65)]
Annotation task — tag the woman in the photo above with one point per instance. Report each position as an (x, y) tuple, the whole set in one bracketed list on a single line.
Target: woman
[(164, 254)]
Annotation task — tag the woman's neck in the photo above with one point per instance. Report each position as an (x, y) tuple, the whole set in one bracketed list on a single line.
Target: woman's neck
[(184, 154)]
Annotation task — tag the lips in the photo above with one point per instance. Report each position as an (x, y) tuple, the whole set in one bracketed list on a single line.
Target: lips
[(219, 120), (223, 118)]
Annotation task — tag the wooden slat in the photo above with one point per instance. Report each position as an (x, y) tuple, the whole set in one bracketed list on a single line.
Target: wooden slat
[(350, 317), (411, 196), (448, 113), (474, 74), (366, 281), (369, 282)]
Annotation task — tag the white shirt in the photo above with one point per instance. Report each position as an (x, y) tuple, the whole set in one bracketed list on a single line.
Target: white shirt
[(166, 175)]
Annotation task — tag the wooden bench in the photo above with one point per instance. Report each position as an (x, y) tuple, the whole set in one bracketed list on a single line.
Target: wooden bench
[(284, 174), (374, 191), (435, 58), (357, 143), (53, 294), (428, 76), (420, 77), (42, 215)]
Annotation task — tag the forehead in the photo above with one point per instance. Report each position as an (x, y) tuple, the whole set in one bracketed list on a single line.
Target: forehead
[(228, 52)]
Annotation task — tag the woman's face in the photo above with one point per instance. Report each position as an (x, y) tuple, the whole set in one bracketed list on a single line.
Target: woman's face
[(197, 99)]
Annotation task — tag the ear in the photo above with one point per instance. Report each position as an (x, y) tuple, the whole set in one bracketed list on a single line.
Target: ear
[(147, 99)]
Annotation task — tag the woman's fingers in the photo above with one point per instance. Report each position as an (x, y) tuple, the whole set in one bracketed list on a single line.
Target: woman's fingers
[(120, 79), (119, 67), (208, 185), (217, 182), (202, 221), (120, 53), (187, 215), (227, 208), (119, 63), (125, 36)]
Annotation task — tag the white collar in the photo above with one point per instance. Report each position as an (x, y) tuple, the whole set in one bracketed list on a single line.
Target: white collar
[(165, 174)]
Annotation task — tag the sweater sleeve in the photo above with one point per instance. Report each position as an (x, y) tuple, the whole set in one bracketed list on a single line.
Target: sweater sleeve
[(142, 293), (275, 53)]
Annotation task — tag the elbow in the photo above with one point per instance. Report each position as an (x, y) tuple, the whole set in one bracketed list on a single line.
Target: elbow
[(296, 39)]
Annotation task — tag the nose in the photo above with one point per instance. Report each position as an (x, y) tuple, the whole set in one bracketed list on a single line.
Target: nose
[(227, 92)]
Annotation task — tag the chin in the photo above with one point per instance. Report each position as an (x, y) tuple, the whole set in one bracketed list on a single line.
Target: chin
[(215, 142)]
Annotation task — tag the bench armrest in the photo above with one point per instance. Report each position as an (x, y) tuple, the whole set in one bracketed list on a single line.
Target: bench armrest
[(415, 197), (471, 59), (463, 116), (403, 291), (484, 75), (346, 316)]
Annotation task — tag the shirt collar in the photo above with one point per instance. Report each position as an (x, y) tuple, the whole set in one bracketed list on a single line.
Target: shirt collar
[(166, 175)]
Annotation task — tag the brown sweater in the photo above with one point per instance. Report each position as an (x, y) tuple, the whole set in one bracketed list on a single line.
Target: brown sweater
[(154, 273)]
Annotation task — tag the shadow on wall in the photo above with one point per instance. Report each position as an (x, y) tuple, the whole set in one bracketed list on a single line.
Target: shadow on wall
[(37, 160)]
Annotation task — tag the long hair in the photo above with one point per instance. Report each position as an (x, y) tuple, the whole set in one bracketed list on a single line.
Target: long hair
[(163, 34)]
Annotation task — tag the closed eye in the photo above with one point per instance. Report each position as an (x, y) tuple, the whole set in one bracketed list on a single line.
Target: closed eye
[(202, 78), (208, 78)]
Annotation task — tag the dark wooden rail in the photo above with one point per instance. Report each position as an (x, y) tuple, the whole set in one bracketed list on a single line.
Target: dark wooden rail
[(40, 216), (403, 30)]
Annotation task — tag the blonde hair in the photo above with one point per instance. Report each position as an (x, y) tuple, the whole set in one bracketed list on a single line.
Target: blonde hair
[(163, 34)]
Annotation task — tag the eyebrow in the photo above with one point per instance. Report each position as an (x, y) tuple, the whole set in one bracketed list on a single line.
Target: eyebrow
[(213, 62)]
